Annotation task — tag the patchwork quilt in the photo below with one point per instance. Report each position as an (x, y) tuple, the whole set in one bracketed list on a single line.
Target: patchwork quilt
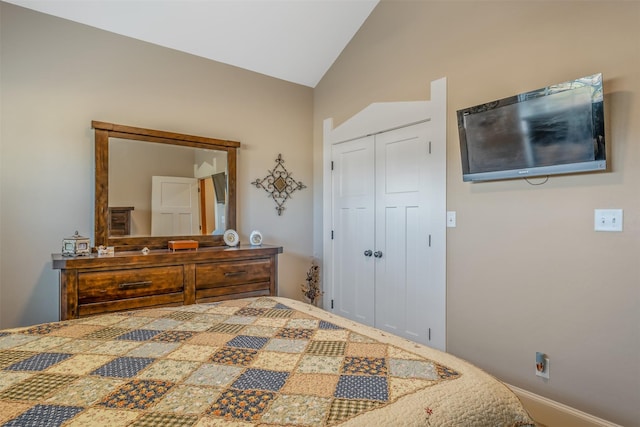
[(253, 362)]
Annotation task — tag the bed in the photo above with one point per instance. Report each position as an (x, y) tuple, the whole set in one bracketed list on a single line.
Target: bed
[(265, 361)]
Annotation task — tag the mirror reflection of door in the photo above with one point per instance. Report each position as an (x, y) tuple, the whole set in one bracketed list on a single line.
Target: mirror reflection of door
[(132, 164), (175, 206)]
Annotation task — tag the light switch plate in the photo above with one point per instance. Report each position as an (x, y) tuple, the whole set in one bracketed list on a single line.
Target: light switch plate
[(607, 220)]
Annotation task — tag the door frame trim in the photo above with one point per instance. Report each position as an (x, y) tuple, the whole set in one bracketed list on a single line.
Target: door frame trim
[(377, 118)]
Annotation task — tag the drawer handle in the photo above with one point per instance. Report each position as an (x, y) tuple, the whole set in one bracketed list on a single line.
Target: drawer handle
[(133, 285), (234, 273)]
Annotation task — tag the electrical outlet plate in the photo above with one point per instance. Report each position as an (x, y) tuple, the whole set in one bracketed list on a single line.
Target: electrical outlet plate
[(544, 373), (451, 219)]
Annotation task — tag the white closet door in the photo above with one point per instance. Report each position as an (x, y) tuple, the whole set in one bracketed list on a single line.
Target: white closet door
[(402, 275), (353, 229)]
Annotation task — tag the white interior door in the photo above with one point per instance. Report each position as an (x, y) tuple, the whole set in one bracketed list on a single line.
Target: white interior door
[(174, 206), (402, 235), (353, 229)]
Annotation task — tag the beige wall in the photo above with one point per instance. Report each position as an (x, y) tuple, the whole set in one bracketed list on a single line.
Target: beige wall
[(526, 272), (57, 76)]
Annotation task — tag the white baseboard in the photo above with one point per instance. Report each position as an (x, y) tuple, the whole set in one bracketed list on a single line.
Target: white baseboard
[(553, 414)]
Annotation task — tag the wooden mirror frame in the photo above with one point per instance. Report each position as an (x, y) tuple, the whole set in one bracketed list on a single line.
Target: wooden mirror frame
[(104, 131)]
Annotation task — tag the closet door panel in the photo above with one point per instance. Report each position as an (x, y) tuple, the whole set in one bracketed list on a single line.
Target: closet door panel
[(401, 231), (353, 229)]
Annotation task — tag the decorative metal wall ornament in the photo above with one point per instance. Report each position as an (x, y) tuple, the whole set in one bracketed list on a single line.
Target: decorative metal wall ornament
[(279, 184)]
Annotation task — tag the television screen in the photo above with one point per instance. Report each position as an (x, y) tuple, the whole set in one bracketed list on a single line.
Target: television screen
[(553, 130), (220, 186)]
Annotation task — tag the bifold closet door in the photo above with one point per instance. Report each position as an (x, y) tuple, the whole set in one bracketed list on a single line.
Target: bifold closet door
[(353, 229), (402, 281), (382, 270)]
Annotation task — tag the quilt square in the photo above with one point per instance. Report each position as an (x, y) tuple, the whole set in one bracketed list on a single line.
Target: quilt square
[(261, 379), (278, 313), (260, 331), (342, 409), (153, 349), (183, 399), (10, 410), (275, 361), (36, 387), (320, 364), (234, 356), (14, 340), (196, 353), (247, 405), (85, 391), (357, 349), (44, 415), (216, 339), (295, 334), (328, 325), (9, 357), (286, 346), (139, 335), (165, 420), (326, 348), (226, 328), (364, 366), (169, 370), (311, 385), (297, 410), (105, 333), (94, 417), (180, 315), (248, 341), (251, 311), (44, 329), (173, 336), (362, 388), (137, 394), (38, 362), (80, 364), (114, 348), (413, 369), (214, 375), (163, 324), (123, 367)]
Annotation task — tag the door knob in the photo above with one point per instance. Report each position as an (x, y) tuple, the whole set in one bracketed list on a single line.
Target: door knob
[(368, 252), (377, 254)]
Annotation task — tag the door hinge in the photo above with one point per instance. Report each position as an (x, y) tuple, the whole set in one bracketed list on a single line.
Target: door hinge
[(332, 304), (429, 240), (429, 147), (331, 164), (429, 334), (331, 234)]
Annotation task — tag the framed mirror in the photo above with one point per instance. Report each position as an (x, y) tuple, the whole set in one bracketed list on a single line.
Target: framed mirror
[(153, 186)]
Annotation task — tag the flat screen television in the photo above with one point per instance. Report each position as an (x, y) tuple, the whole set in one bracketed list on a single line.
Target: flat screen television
[(558, 129), (220, 186)]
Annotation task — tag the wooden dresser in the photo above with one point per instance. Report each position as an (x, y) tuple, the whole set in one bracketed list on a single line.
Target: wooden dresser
[(130, 280)]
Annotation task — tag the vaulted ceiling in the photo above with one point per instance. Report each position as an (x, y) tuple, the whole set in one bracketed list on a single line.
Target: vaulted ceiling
[(293, 40)]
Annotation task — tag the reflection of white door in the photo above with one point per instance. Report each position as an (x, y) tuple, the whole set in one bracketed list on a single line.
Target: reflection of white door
[(174, 206)]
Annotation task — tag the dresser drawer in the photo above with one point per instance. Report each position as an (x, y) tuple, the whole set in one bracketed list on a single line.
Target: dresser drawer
[(97, 286), (232, 273)]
